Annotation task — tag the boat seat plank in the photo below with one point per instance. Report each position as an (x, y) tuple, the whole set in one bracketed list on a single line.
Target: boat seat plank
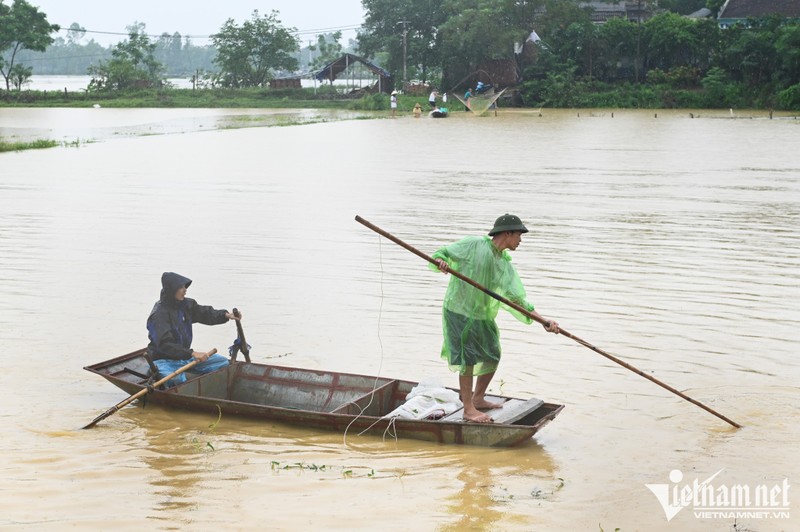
[(511, 411)]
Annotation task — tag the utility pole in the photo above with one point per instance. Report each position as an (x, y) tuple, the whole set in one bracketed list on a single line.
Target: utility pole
[(405, 52)]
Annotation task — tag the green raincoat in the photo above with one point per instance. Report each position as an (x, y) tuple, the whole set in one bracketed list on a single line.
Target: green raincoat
[(471, 336)]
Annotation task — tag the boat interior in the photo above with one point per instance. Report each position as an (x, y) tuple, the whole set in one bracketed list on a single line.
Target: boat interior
[(309, 390)]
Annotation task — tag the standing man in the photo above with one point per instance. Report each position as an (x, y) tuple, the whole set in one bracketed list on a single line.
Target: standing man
[(432, 99), (471, 336), (467, 97), (169, 327), (393, 103)]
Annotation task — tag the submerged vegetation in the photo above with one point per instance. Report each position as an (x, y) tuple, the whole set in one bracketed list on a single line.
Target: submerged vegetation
[(179, 98), (346, 472), (38, 144), (6, 145), (254, 98)]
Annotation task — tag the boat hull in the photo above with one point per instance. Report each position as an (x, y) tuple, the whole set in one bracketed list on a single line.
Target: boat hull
[(326, 400)]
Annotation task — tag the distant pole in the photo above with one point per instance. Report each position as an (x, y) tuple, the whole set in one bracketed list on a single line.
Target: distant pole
[(638, 38), (405, 53)]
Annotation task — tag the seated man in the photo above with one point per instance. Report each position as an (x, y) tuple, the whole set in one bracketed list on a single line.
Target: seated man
[(169, 327)]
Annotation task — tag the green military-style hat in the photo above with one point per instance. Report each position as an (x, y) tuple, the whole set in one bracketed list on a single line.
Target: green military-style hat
[(508, 222)]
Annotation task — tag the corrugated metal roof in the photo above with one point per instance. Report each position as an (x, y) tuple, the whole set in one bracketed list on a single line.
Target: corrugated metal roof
[(336, 67), (759, 8)]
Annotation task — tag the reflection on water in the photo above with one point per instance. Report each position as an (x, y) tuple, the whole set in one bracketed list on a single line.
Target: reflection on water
[(671, 242), (490, 488), (188, 464)]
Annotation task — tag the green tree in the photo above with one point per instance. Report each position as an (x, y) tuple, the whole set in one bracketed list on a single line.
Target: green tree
[(620, 37), (22, 26), (405, 32), (182, 58), (328, 48), (66, 57), (479, 30), (749, 55), (169, 48), (248, 55), (788, 47), (476, 32), (671, 41), (75, 33), (132, 64), (19, 75), (715, 6), (588, 45), (684, 7)]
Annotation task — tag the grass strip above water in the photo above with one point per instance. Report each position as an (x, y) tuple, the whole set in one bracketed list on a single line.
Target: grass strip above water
[(201, 98), (29, 145)]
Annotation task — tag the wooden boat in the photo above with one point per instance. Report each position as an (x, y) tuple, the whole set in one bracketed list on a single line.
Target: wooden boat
[(327, 400)]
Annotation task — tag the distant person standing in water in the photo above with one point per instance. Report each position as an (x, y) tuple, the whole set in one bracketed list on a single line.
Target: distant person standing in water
[(393, 103)]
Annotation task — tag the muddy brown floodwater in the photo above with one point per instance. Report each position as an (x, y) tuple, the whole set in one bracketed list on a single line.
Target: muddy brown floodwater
[(672, 242)]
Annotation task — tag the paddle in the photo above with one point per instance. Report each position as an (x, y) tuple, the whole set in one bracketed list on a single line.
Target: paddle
[(240, 344), (143, 392), (544, 322)]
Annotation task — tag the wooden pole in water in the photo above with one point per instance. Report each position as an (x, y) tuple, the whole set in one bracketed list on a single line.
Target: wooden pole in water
[(546, 323)]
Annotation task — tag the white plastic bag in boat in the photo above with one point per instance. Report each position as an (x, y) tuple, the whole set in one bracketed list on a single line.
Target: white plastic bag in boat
[(427, 400)]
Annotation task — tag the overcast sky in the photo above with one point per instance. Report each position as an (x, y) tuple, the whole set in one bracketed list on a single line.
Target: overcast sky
[(198, 17)]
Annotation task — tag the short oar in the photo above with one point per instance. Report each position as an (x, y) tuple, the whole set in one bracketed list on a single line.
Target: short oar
[(143, 392), (537, 318), (242, 342)]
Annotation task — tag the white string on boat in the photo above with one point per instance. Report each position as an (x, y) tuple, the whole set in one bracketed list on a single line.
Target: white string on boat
[(390, 429), (380, 365)]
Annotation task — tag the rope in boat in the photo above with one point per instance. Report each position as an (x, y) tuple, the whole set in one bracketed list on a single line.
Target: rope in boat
[(380, 365)]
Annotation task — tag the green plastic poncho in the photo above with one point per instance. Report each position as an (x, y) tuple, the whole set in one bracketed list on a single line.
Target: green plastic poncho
[(471, 336)]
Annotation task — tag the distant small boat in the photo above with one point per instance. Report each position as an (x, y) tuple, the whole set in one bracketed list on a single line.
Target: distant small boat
[(440, 112), (327, 400)]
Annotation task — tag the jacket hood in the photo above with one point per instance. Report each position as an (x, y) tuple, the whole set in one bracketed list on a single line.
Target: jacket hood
[(170, 282)]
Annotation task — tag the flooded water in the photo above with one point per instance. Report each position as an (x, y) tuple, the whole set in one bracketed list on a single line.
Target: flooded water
[(670, 241)]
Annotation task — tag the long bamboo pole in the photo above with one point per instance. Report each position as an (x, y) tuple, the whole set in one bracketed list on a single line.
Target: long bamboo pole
[(546, 323)]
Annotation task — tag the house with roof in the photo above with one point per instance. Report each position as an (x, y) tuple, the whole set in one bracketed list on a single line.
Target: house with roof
[(603, 11), (344, 64), (738, 11)]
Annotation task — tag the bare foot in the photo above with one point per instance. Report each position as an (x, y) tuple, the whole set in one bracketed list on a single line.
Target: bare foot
[(477, 417), (483, 404)]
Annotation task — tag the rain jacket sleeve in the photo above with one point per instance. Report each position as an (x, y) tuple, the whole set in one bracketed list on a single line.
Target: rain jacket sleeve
[(207, 315)]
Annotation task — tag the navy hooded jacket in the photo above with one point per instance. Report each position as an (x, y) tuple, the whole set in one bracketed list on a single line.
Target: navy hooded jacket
[(169, 325)]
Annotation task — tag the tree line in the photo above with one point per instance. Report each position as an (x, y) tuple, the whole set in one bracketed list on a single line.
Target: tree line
[(564, 59), (560, 57), (240, 55), (73, 55)]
